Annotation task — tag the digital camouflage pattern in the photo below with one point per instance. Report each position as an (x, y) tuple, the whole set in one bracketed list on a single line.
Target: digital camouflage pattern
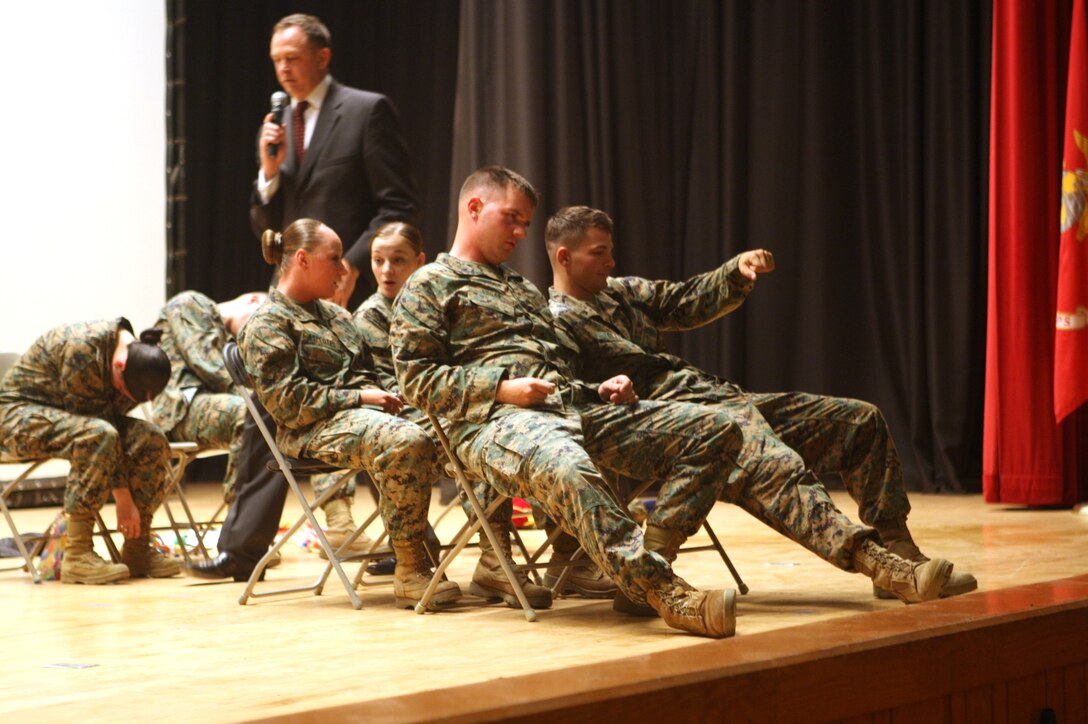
[(309, 364), (59, 401), (200, 403), (787, 436), (459, 328), (373, 318)]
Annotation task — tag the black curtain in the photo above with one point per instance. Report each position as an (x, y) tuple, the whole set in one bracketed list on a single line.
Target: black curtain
[(848, 137)]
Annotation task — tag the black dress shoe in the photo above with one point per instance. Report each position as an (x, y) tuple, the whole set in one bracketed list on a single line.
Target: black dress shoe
[(224, 565)]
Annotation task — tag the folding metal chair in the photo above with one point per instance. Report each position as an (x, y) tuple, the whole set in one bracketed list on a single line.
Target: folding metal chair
[(181, 454), (290, 467), (37, 543), (474, 525), (638, 492)]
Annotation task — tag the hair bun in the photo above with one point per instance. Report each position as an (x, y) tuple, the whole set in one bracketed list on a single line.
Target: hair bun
[(151, 336), (272, 246)]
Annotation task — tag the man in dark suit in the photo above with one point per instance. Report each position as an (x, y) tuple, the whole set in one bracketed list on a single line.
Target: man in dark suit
[(339, 155)]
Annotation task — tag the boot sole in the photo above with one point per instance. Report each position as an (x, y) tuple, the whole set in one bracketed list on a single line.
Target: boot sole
[(946, 592), (495, 594), (965, 586), (438, 600), (729, 604), (149, 574), (96, 581)]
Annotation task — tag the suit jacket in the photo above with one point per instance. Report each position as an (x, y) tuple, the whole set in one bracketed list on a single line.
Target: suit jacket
[(355, 175)]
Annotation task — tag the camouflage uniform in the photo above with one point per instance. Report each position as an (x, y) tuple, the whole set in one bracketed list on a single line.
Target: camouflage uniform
[(200, 402), (59, 401), (372, 318), (460, 328), (787, 436), (309, 364)]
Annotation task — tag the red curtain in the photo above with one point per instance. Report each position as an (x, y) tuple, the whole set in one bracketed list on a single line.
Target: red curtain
[(1028, 458)]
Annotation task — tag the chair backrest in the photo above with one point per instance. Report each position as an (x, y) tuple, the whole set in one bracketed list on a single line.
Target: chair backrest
[(232, 358)]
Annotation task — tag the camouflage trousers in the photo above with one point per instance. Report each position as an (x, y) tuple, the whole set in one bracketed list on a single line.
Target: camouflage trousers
[(131, 454), (215, 420), (845, 437), (321, 483), (549, 457), (399, 455), (774, 477)]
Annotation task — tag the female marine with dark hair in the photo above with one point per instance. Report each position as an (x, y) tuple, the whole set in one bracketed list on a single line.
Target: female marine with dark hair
[(68, 397), (316, 378)]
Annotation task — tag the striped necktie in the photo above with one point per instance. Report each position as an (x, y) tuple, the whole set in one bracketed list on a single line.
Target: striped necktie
[(298, 126)]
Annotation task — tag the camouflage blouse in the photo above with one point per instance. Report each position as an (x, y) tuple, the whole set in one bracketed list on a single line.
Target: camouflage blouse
[(69, 368), (460, 328), (307, 361), (373, 318), (621, 329), (193, 338)]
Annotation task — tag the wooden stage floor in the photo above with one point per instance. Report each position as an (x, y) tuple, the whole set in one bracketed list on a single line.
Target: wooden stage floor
[(183, 649)]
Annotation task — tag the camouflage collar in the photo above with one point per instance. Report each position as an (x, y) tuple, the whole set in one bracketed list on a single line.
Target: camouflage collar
[(602, 302), (382, 300), (473, 268), (304, 312)]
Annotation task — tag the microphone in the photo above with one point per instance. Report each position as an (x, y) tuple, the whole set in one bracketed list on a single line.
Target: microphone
[(279, 102)]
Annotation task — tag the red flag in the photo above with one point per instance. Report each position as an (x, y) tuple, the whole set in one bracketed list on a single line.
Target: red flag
[(1071, 327)]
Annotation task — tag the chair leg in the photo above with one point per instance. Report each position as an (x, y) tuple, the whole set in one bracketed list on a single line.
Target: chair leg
[(480, 522), (107, 536), (741, 585), (28, 558)]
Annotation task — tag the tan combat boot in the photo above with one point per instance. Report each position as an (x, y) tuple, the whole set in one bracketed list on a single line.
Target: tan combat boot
[(910, 582), (898, 540), (665, 543), (586, 579), (489, 579), (413, 573), (339, 524), (80, 563), (144, 559), (706, 613)]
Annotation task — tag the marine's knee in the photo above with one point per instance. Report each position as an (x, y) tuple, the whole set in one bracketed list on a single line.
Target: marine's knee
[(412, 443), (99, 435)]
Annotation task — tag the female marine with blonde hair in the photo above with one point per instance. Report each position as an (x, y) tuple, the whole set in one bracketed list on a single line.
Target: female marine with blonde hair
[(316, 378)]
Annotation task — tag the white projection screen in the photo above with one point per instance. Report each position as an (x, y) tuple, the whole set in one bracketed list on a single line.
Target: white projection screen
[(83, 187)]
